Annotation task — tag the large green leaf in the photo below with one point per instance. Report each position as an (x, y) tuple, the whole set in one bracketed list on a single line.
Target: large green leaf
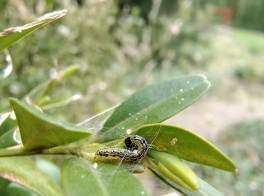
[(41, 131), (11, 35), (80, 177), (24, 172), (153, 104), (185, 144)]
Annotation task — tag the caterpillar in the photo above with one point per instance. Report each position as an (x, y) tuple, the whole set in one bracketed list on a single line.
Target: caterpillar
[(136, 149)]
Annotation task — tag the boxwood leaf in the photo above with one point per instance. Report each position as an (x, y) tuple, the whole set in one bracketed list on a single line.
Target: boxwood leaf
[(174, 169), (11, 35), (24, 172), (153, 104), (6, 123), (186, 145), (80, 177), (49, 168), (3, 184), (17, 190), (41, 131), (8, 139), (204, 187)]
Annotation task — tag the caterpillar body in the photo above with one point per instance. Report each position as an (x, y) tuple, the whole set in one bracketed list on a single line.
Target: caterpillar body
[(136, 149)]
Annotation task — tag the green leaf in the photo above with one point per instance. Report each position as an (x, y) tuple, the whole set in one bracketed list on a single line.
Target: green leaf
[(204, 187), (40, 94), (153, 104), (80, 177), (24, 172), (7, 129), (17, 190), (11, 35), (186, 145), (47, 102), (174, 169), (8, 139), (3, 184), (49, 168), (41, 131), (6, 123)]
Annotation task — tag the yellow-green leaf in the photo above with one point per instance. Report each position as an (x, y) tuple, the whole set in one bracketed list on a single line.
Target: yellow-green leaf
[(40, 131), (24, 172), (171, 167), (11, 35), (185, 144)]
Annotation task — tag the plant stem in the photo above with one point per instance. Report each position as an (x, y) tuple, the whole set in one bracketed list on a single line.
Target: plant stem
[(14, 151), (77, 151)]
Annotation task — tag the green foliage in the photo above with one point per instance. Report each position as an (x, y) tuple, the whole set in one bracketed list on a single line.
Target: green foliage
[(250, 70), (242, 141), (38, 131), (253, 41), (18, 190), (154, 104), (24, 172), (249, 73), (245, 14), (115, 49), (11, 35), (248, 13), (185, 145), (81, 177), (206, 190), (172, 168), (43, 131)]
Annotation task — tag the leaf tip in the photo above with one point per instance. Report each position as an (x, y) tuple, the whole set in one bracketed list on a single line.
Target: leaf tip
[(234, 168), (13, 100), (53, 15)]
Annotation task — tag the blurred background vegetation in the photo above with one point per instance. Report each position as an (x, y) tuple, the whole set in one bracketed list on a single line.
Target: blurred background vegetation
[(122, 45)]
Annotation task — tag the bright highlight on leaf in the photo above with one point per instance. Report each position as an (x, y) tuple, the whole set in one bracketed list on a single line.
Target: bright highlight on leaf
[(13, 34)]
